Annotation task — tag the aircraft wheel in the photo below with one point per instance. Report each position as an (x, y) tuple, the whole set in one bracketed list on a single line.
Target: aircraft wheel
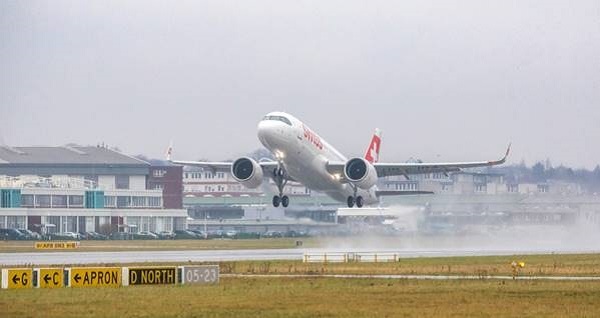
[(285, 201), (359, 202), (276, 201), (350, 202)]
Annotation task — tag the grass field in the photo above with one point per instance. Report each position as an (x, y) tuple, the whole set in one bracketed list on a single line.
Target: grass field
[(314, 297), (340, 297), (535, 265), (158, 245)]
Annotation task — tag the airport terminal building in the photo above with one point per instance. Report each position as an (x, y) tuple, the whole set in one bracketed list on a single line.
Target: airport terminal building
[(82, 189)]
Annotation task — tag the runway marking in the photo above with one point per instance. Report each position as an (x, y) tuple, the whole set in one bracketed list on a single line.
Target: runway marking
[(422, 277)]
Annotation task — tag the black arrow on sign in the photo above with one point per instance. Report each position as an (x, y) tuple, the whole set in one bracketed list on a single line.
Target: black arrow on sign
[(16, 279), (46, 278), (77, 278)]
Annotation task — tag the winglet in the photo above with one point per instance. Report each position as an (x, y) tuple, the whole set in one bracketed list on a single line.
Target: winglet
[(169, 151), (507, 150), (507, 153), (501, 161)]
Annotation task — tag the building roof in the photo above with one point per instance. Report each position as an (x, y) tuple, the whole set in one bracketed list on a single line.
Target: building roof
[(65, 156)]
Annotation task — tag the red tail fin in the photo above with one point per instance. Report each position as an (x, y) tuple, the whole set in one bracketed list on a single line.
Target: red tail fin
[(372, 154)]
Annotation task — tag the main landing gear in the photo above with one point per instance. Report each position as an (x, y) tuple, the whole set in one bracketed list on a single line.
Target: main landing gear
[(354, 199), (279, 199), (280, 181)]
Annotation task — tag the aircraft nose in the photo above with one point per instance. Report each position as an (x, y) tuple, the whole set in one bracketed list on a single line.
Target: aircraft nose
[(270, 133), (263, 129)]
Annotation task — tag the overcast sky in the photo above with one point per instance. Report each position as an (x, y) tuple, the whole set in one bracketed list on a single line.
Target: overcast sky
[(444, 80)]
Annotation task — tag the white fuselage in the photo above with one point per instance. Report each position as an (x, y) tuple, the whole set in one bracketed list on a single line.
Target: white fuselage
[(304, 156)]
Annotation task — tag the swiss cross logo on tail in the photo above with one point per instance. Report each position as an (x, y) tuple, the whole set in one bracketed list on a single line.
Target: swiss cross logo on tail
[(372, 154)]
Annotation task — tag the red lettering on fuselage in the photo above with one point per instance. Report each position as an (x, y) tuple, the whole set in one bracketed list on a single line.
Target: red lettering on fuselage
[(312, 138)]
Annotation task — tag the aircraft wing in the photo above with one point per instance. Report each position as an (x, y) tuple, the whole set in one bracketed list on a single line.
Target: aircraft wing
[(405, 169), (222, 165), (267, 166), (385, 169), (213, 165)]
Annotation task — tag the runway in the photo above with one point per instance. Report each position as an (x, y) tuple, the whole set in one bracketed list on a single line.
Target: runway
[(83, 258)]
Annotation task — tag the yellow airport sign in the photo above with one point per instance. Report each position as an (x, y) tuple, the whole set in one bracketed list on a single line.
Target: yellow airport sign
[(17, 278), (95, 277), (56, 245), (51, 278)]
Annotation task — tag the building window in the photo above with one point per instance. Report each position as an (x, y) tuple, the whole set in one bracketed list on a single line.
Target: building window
[(109, 201), (159, 173), (480, 188), (121, 182), (90, 181), (42, 201), (138, 201), (134, 223), (158, 186), (123, 202), (76, 201), (27, 200), (59, 201), (154, 202), (16, 222)]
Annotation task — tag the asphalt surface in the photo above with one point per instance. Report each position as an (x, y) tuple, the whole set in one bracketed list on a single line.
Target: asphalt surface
[(82, 258)]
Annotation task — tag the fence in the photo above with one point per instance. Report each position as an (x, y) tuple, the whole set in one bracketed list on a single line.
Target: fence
[(347, 257)]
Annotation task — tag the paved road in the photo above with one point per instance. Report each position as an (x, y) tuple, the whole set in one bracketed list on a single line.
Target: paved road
[(56, 258)]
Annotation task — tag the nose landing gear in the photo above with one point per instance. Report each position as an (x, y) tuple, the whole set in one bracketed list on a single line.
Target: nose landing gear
[(280, 181)]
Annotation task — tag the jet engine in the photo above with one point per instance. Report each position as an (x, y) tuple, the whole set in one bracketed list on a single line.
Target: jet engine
[(247, 172), (360, 172)]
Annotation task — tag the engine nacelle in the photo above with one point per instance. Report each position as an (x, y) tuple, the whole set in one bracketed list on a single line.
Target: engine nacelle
[(247, 172), (360, 172)]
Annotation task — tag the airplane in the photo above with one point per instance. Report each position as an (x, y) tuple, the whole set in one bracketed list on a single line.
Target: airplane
[(303, 156)]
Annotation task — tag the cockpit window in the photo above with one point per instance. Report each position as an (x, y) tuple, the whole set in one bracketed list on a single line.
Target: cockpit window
[(278, 118)]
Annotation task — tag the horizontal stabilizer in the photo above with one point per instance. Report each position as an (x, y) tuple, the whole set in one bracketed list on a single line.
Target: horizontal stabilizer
[(388, 193)]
